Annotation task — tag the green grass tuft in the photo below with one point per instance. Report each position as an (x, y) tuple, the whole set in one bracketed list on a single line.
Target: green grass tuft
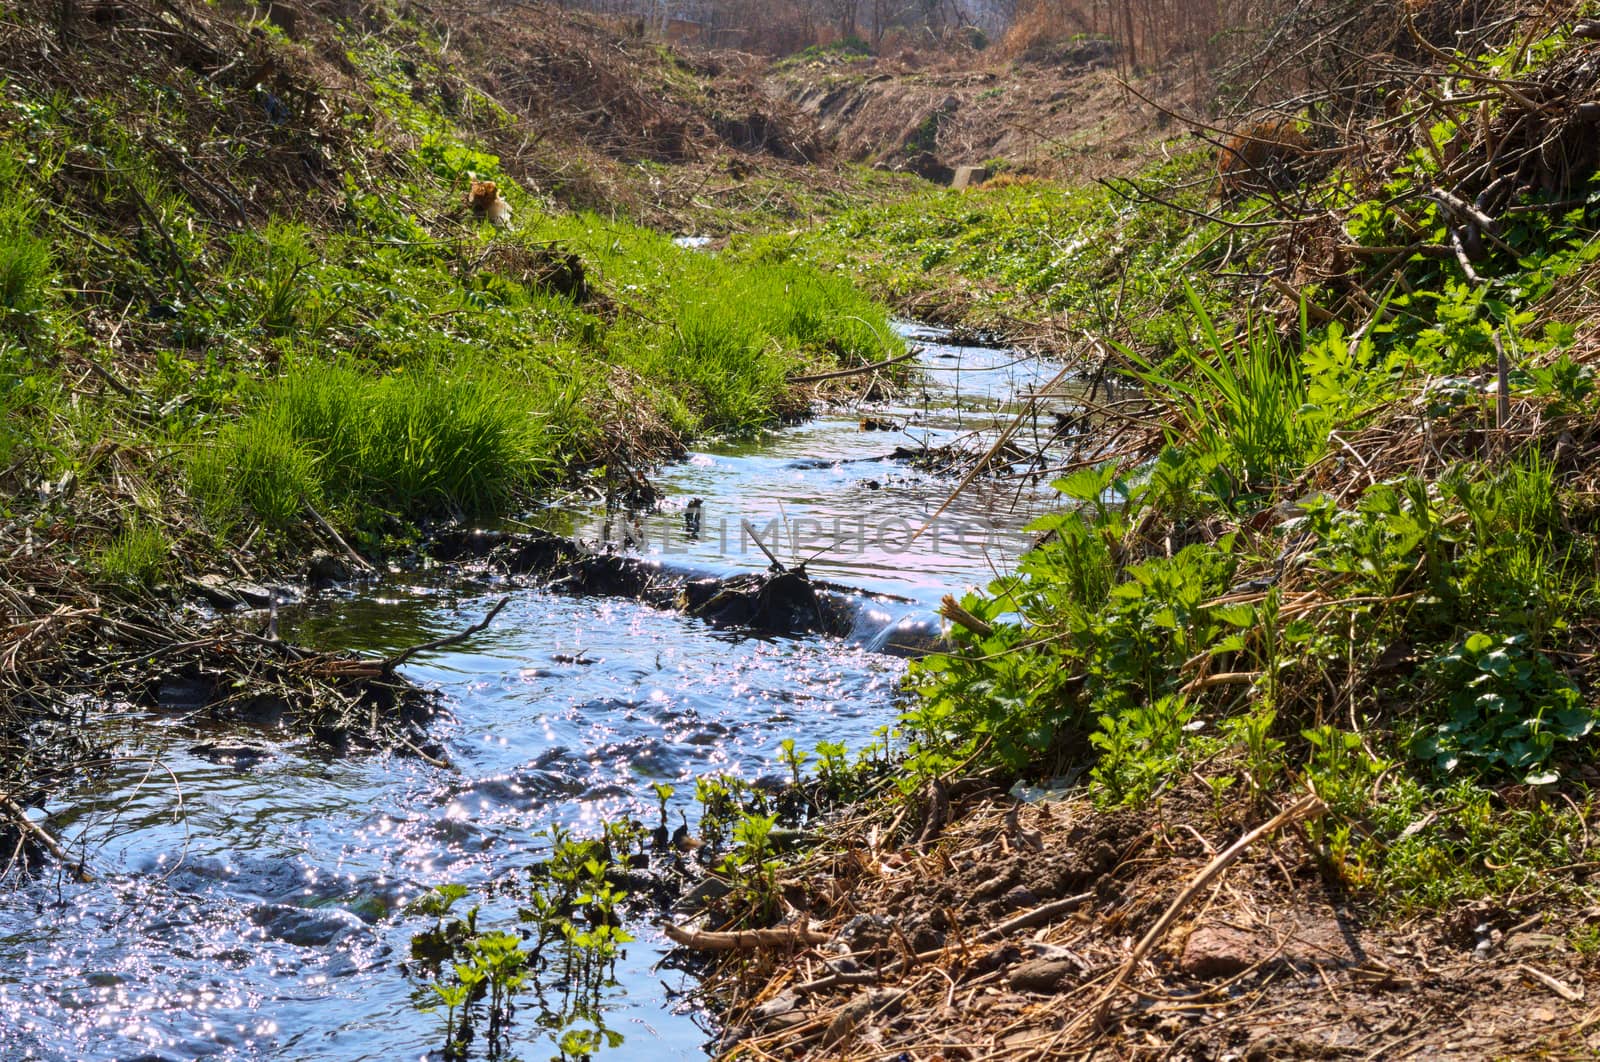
[(139, 556), (428, 442)]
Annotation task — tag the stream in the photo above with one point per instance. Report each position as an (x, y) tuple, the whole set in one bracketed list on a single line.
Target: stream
[(250, 905)]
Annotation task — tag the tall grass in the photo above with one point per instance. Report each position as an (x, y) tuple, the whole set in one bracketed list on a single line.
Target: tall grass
[(718, 335), (25, 260), (24, 275), (1242, 402), (462, 440), (463, 385), (139, 555)]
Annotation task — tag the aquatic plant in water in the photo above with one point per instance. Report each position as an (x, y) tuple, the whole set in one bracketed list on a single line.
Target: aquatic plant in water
[(473, 974)]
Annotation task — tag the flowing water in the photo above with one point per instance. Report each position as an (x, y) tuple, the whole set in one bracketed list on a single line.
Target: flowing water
[(249, 903)]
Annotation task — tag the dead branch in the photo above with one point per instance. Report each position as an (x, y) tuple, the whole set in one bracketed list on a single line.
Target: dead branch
[(1303, 808), (401, 657), (19, 818), (862, 370), (742, 939)]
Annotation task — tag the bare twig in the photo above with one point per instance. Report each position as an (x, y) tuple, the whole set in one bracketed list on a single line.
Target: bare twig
[(401, 657), (742, 939), (339, 541), (861, 370), (19, 818)]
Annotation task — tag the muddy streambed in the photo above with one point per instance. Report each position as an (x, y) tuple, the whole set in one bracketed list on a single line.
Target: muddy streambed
[(248, 901)]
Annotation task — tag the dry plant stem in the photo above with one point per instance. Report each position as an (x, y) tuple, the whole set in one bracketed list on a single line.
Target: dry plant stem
[(951, 610), (1303, 808), (19, 818), (1567, 993), (1502, 384), (742, 939), (860, 370), (1040, 915), (355, 558)]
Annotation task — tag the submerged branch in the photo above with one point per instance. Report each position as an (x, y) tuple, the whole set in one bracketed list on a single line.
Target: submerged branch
[(401, 657)]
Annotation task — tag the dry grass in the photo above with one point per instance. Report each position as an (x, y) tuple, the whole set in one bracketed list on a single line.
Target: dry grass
[(997, 939)]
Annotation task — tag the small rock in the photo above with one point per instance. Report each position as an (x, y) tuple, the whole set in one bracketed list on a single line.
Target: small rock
[(306, 928), (1043, 975), (709, 890), (221, 593), (865, 931), (775, 1008), (879, 1002), (186, 692), (1018, 898), (1219, 951), (1533, 944), (238, 753), (327, 569), (999, 956)]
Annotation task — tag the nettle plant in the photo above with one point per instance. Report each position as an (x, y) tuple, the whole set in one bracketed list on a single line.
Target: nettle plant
[(1508, 707)]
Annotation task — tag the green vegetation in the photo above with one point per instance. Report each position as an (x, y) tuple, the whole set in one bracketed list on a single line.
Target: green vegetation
[(376, 355), (139, 556), (572, 913), (1336, 566), (1021, 250), (846, 49)]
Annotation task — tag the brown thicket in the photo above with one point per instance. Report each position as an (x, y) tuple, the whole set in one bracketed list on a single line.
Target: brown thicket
[(1239, 54), (1263, 156)]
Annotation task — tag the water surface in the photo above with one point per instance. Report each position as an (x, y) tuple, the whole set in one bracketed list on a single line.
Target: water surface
[(248, 904)]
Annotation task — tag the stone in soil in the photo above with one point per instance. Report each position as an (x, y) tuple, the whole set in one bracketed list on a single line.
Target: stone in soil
[(1218, 949)]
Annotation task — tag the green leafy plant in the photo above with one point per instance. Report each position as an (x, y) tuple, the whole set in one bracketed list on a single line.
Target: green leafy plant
[(1263, 753), (1508, 707), (793, 758), (755, 900)]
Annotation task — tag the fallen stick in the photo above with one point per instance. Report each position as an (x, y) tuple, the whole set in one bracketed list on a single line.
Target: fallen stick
[(1222, 678), (1040, 915), (742, 939), (1459, 246), (1317, 313), (1569, 994), (19, 816), (439, 643), (1302, 808), (839, 374), (327, 529), (1428, 250)]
